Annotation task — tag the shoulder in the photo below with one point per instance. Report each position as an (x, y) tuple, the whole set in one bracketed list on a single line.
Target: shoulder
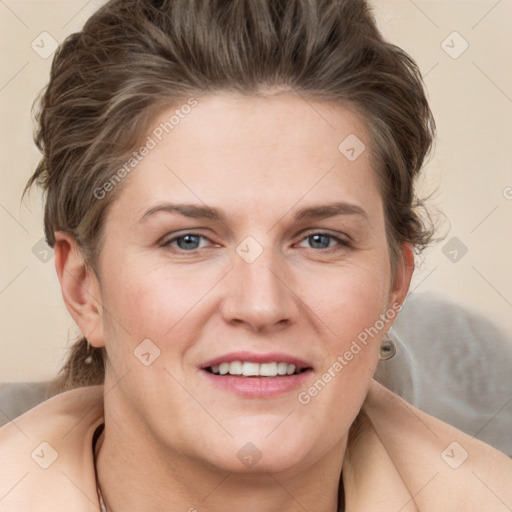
[(47, 453), (440, 467)]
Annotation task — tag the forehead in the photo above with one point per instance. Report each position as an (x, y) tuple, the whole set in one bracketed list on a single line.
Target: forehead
[(228, 149)]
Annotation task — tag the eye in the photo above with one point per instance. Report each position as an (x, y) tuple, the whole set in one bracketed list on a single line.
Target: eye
[(187, 242), (322, 241)]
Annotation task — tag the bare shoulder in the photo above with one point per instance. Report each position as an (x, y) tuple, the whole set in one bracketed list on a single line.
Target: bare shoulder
[(48, 448), (449, 465)]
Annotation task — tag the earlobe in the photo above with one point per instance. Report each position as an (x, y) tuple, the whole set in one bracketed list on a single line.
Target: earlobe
[(80, 288)]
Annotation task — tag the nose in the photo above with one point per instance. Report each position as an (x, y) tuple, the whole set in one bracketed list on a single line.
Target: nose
[(258, 295)]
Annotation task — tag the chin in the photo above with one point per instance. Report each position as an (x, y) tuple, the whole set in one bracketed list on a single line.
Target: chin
[(263, 448), (251, 459)]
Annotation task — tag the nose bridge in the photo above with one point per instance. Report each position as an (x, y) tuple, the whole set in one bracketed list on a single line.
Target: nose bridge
[(258, 295)]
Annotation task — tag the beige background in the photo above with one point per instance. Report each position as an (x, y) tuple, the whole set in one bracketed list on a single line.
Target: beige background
[(471, 97)]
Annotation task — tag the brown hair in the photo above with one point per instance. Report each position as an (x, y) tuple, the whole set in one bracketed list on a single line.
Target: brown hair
[(134, 57)]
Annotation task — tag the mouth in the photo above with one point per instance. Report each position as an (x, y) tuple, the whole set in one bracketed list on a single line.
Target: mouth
[(249, 374), (253, 369)]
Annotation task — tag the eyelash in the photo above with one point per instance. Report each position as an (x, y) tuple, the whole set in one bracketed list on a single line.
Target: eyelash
[(341, 244)]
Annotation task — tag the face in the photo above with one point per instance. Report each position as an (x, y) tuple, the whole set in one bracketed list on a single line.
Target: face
[(247, 242)]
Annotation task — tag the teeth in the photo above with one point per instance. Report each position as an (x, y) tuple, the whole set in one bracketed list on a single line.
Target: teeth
[(281, 368), (235, 368), (249, 369), (268, 369)]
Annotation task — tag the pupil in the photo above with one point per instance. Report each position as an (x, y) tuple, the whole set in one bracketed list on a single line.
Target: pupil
[(188, 242), (319, 241)]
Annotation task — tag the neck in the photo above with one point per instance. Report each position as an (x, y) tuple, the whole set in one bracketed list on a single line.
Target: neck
[(129, 474)]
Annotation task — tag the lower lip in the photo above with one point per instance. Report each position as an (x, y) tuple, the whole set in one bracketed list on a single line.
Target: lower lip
[(259, 387)]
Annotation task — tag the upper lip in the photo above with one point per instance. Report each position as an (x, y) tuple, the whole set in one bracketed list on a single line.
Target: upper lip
[(253, 357)]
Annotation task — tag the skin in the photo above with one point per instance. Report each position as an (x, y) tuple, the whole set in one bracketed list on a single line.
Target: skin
[(259, 161)]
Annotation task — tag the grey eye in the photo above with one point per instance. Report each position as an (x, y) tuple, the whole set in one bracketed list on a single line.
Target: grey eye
[(319, 241), (188, 242)]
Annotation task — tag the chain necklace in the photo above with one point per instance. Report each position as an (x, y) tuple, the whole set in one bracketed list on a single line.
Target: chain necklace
[(102, 503), (96, 436), (103, 507)]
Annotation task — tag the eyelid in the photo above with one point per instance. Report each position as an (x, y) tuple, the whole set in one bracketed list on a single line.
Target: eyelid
[(169, 238), (342, 238)]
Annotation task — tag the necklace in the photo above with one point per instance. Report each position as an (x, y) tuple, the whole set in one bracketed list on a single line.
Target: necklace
[(103, 507), (95, 438), (102, 503)]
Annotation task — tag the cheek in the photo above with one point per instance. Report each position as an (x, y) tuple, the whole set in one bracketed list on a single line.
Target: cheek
[(354, 315), (156, 297), (351, 300), (150, 302)]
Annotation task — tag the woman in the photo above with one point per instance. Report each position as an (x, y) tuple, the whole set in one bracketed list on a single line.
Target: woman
[(230, 195)]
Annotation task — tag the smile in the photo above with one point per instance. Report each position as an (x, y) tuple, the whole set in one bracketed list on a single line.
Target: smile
[(255, 375), (252, 369)]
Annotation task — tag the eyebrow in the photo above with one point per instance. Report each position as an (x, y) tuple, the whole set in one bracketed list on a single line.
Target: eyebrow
[(207, 212)]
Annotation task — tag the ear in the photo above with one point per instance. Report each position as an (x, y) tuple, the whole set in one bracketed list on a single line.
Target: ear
[(80, 288), (402, 276)]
